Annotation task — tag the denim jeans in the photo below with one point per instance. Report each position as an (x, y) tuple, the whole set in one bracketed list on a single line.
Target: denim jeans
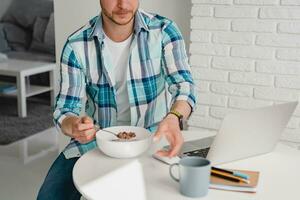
[(58, 184)]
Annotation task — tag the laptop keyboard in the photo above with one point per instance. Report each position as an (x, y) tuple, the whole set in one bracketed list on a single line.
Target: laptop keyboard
[(198, 152)]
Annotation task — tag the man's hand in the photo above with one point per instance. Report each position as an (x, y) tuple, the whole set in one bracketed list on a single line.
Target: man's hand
[(80, 128), (169, 127)]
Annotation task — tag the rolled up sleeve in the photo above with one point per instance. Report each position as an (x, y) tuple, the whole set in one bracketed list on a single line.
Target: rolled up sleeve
[(176, 67), (72, 87)]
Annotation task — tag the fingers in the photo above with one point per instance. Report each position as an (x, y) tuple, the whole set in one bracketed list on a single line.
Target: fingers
[(81, 127), (157, 136), (83, 130), (82, 124), (171, 140), (159, 133), (175, 149), (86, 120), (178, 141), (85, 136), (163, 153), (85, 133)]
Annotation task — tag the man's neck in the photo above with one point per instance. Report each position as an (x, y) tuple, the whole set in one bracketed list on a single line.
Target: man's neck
[(115, 32)]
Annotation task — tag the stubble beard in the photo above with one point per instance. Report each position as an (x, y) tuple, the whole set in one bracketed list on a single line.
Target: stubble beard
[(111, 17)]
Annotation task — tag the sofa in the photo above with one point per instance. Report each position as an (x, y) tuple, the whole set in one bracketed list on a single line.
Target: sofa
[(27, 33)]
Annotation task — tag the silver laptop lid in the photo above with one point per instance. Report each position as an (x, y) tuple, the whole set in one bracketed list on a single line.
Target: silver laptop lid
[(247, 133)]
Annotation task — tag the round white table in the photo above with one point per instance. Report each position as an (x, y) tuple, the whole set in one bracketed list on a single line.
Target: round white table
[(97, 176)]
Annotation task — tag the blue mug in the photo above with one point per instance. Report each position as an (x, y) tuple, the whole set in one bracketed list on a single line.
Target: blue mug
[(194, 176)]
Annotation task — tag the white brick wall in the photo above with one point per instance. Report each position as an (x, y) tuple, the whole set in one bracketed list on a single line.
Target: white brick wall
[(249, 25), (234, 64), (279, 13), (288, 54), (290, 2), (245, 54), (289, 27)]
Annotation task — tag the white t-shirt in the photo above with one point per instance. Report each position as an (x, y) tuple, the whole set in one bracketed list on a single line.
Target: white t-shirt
[(119, 52)]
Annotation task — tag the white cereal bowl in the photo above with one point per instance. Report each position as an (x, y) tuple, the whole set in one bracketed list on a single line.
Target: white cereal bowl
[(120, 149)]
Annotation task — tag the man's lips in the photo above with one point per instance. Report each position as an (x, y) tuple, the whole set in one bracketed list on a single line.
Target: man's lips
[(122, 13)]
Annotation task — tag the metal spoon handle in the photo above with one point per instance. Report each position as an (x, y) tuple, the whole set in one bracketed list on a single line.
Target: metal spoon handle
[(110, 132), (98, 128)]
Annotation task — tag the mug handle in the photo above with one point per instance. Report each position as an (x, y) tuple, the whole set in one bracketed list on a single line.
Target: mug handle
[(170, 171)]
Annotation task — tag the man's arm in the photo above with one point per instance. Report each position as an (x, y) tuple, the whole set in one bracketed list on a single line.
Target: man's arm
[(176, 67), (181, 86), (69, 99)]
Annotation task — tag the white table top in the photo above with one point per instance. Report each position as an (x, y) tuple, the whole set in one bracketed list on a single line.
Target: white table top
[(97, 176), (13, 66)]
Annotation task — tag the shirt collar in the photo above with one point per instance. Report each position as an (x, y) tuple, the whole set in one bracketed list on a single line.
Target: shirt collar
[(139, 24)]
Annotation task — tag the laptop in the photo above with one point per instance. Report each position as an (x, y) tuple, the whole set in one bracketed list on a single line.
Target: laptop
[(242, 134)]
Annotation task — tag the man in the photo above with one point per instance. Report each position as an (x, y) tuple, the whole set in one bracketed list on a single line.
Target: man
[(121, 62)]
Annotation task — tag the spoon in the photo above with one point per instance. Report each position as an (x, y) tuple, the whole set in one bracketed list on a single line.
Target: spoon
[(98, 128)]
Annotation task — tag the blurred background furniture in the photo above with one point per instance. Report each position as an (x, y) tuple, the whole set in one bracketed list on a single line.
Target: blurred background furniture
[(27, 62), (22, 69), (27, 34), (27, 31)]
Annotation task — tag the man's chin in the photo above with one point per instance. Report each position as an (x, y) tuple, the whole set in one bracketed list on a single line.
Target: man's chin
[(122, 21)]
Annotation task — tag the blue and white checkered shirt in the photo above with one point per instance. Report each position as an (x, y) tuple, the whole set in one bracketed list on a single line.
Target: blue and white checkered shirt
[(158, 74)]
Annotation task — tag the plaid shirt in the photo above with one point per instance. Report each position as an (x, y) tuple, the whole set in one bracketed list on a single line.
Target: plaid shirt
[(158, 74)]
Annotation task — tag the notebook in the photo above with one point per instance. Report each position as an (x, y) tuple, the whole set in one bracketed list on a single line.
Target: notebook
[(222, 184)]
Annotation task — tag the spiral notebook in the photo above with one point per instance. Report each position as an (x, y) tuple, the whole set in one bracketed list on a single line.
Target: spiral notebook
[(222, 184)]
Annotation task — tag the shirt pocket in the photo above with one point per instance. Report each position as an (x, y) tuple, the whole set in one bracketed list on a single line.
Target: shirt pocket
[(147, 81), (145, 68)]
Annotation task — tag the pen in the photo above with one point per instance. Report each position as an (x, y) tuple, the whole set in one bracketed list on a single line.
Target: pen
[(235, 173), (225, 177), (228, 176)]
